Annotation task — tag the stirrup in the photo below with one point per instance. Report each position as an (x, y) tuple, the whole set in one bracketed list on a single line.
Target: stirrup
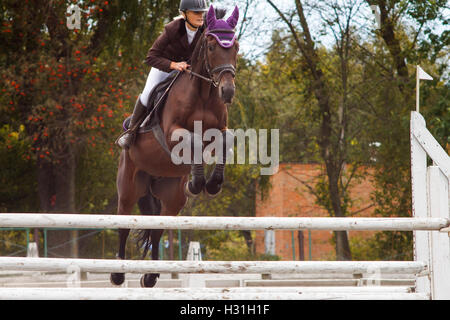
[(132, 138)]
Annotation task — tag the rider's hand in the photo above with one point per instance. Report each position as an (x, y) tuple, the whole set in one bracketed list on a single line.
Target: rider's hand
[(180, 66)]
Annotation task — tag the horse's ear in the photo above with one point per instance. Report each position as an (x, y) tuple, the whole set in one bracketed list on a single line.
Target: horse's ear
[(234, 18), (211, 17)]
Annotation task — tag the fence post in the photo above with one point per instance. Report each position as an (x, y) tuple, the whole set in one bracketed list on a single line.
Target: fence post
[(438, 199), (422, 239)]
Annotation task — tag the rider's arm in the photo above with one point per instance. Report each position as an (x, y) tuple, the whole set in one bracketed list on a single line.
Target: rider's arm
[(155, 56)]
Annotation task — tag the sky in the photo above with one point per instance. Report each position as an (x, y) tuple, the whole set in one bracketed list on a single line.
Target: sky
[(257, 35), (258, 30)]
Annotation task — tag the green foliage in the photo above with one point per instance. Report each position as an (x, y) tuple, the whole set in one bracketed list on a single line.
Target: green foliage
[(13, 242), (229, 248), (383, 246), (268, 257), (436, 111), (18, 174)]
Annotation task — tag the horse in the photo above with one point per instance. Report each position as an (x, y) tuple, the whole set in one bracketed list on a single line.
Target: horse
[(147, 174)]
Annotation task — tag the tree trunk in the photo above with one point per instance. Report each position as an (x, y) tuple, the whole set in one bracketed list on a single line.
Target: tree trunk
[(248, 240), (62, 243), (342, 246), (392, 42), (330, 153), (46, 185)]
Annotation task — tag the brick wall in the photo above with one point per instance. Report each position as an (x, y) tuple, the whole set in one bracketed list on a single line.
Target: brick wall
[(290, 197)]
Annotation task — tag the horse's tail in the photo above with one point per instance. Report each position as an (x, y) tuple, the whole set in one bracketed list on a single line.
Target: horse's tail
[(148, 205)]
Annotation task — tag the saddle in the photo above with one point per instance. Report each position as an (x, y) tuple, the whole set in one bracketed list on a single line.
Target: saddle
[(155, 104)]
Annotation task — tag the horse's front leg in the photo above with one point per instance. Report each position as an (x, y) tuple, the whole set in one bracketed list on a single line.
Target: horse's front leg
[(214, 185), (195, 186), (119, 278)]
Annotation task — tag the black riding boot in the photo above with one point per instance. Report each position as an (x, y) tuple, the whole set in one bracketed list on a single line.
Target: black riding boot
[(127, 139)]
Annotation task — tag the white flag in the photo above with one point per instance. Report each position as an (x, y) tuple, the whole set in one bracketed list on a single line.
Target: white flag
[(422, 74)]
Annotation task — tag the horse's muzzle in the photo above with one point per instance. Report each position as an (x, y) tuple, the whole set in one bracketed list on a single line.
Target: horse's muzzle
[(226, 91)]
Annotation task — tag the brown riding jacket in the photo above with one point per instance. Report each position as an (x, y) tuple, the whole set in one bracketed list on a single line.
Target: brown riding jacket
[(172, 45)]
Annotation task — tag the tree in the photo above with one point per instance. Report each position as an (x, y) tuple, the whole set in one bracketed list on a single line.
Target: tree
[(68, 87), (333, 99)]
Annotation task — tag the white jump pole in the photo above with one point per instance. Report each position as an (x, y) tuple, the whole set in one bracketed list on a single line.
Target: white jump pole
[(218, 223), (223, 267), (191, 294)]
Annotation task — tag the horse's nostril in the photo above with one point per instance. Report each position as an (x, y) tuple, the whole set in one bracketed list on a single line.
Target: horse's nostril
[(227, 94)]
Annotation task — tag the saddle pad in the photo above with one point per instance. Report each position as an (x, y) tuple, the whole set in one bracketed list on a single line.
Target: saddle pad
[(157, 132), (157, 100)]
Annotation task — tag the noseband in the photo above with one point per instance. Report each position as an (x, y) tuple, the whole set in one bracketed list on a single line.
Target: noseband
[(221, 69)]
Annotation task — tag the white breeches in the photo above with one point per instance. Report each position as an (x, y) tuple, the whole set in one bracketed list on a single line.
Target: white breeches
[(154, 77)]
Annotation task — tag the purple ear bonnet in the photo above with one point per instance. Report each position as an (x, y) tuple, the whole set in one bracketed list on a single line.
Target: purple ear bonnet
[(222, 30)]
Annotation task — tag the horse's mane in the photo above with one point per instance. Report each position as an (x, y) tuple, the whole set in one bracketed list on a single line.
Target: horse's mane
[(220, 14)]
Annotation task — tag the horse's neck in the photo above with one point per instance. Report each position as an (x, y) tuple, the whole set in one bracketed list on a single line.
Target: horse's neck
[(202, 87), (206, 97)]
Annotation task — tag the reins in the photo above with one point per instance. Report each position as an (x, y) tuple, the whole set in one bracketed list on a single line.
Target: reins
[(201, 77)]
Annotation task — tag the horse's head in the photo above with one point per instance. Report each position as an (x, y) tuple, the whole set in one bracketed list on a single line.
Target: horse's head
[(221, 52)]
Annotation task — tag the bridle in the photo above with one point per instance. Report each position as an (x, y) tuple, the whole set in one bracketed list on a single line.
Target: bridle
[(220, 70)]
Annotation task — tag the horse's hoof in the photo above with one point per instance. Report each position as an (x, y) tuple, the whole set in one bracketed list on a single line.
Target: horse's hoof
[(117, 278), (212, 193), (148, 280), (214, 186), (188, 192)]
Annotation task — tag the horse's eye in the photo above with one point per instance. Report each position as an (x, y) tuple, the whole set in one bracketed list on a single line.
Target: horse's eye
[(211, 47)]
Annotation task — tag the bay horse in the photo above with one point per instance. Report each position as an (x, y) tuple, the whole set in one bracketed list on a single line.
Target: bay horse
[(146, 173)]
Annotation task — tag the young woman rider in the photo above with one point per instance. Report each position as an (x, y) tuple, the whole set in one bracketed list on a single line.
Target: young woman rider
[(172, 50)]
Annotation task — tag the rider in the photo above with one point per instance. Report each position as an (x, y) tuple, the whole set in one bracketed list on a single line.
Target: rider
[(171, 51)]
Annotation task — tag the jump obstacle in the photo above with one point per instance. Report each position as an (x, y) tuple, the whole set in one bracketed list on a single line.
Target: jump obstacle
[(430, 224)]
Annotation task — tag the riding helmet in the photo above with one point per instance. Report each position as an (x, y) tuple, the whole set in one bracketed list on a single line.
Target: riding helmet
[(193, 5)]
